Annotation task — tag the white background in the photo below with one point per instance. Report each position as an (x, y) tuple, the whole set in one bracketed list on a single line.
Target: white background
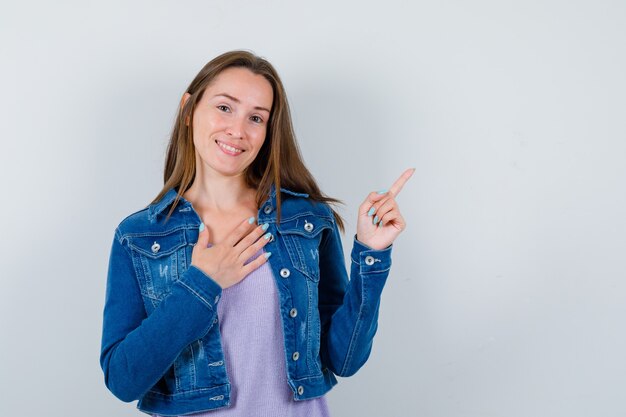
[(507, 294)]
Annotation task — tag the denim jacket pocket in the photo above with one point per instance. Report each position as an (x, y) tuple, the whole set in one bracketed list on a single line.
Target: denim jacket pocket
[(159, 259), (302, 237)]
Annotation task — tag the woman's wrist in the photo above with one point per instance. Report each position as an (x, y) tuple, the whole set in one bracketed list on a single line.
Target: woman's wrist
[(356, 237)]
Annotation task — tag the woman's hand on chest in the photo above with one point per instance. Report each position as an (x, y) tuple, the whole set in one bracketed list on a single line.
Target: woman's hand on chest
[(225, 260)]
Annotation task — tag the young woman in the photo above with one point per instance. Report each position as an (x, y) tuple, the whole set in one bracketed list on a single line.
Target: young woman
[(228, 294)]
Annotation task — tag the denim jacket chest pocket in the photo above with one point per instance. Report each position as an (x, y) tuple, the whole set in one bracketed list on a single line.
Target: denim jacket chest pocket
[(302, 236), (160, 259)]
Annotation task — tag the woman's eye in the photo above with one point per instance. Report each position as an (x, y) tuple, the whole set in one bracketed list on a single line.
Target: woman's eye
[(223, 107), (257, 119)]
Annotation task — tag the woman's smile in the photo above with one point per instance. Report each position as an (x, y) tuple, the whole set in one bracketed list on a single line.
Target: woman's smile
[(227, 149)]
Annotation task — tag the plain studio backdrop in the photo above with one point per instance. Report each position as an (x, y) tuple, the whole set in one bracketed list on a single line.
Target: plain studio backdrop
[(507, 294)]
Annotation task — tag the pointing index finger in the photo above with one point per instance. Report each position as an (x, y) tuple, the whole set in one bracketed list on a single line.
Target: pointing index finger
[(397, 186)]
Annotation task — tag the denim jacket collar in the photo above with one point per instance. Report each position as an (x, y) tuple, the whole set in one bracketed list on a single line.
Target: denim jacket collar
[(169, 197)]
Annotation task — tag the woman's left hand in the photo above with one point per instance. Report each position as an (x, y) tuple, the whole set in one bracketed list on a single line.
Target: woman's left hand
[(380, 222)]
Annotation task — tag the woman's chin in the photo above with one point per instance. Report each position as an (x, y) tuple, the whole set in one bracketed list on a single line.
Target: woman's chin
[(230, 171)]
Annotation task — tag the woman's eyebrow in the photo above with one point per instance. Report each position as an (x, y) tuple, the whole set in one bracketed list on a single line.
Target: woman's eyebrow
[(236, 100)]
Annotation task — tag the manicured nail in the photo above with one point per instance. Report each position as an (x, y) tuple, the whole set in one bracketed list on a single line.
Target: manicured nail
[(372, 210), (267, 235), (265, 226), (201, 226), (375, 219), (382, 191), (251, 220), (381, 223), (268, 254)]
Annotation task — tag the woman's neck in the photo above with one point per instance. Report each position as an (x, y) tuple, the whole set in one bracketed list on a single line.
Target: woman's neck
[(221, 196)]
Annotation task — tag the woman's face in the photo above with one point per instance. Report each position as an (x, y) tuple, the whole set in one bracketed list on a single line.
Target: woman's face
[(230, 121)]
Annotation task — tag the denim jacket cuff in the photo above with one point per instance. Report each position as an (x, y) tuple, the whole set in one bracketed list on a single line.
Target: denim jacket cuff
[(202, 286), (370, 260)]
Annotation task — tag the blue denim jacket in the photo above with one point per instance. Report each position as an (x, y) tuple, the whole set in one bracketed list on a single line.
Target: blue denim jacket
[(160, 338)]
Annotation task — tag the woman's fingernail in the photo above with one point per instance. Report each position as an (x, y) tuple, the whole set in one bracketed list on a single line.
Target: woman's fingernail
[(372, 210), (201, 226), (268, 254), (375, 219), (382, 191), (251, 220), (265, 226), (267, 235), (381, 223)]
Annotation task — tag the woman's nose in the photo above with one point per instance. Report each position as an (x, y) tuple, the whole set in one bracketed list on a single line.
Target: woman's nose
[(235, 128)]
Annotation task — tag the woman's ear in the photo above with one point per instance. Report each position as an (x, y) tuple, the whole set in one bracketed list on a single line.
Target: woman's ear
[(183, 100)]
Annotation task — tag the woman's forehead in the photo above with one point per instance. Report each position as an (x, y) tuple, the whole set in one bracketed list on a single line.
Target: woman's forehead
[(241, 85)]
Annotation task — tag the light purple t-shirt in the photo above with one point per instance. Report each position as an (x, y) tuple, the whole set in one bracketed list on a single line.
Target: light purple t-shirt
[(252, 339)]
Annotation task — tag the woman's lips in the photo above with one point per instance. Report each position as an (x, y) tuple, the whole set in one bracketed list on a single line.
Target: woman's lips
[(229, 150)]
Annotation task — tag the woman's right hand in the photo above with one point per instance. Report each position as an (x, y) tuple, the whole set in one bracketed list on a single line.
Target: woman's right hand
[(224, 262)]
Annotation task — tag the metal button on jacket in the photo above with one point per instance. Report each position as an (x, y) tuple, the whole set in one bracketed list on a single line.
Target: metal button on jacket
[(295, 356), (300, 390), (308, 226), (293, 312), (155, 247), (284, 272), (267, 209), (369, 260)]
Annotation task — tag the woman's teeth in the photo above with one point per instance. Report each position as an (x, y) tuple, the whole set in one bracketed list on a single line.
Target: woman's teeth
[(229, 148)]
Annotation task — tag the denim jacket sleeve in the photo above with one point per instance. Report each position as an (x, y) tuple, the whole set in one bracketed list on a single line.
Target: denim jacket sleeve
[(136, 349), (349, 307)]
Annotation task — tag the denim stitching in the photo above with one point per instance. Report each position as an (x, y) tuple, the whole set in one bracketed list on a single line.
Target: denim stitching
[(194, 380), (355, 332), (176, 372), (196, 294), (183, 392), (309, 313), (132, 259), (149, 287), (294, 246), (301, 263), (165, 233), (301, 214), (150, 255)]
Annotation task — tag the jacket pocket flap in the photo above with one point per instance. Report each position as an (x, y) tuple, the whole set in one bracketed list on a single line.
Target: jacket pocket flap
[(306, 225), (155, 246)]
